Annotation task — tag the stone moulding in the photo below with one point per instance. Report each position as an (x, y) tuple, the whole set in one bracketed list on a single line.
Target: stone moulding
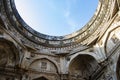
[(80, 37)]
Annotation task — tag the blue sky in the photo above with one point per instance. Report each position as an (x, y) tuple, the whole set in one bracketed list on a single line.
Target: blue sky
[(56, 17)]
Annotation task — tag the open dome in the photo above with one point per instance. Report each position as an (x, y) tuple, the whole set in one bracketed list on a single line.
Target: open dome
[(56, 18)]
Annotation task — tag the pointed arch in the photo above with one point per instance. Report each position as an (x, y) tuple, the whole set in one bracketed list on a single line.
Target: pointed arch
[(83, 66), (41, 78)]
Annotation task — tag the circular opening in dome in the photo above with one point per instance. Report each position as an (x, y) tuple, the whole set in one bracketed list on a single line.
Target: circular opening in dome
[(56, 17)]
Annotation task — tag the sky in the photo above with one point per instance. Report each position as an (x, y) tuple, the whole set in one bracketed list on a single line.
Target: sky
[(56, 17)]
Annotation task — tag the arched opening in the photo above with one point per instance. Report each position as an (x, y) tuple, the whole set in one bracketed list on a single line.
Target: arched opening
[(9, 59), (82, 67), (9, 55), (44, 67), (63, 17), (41, 78)]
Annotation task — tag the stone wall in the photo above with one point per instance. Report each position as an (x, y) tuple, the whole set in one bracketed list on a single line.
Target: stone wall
[(93, 53)]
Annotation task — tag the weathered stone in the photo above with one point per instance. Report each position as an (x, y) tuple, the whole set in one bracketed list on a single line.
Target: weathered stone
[(92, 53)]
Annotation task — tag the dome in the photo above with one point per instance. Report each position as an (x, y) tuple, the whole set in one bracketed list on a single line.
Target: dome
[(56, 18)]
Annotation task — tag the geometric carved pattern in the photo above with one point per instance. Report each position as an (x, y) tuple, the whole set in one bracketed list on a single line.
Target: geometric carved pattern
[(43, 65)]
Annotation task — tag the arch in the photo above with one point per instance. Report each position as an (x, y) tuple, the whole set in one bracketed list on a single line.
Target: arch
[(41, 78), (45, 59), (96, 57), (83, 66), (49, 59), (43, 67), (9, 51)]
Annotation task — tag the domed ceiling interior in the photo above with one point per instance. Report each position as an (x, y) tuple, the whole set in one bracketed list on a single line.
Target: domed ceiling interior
[(56, 18)]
